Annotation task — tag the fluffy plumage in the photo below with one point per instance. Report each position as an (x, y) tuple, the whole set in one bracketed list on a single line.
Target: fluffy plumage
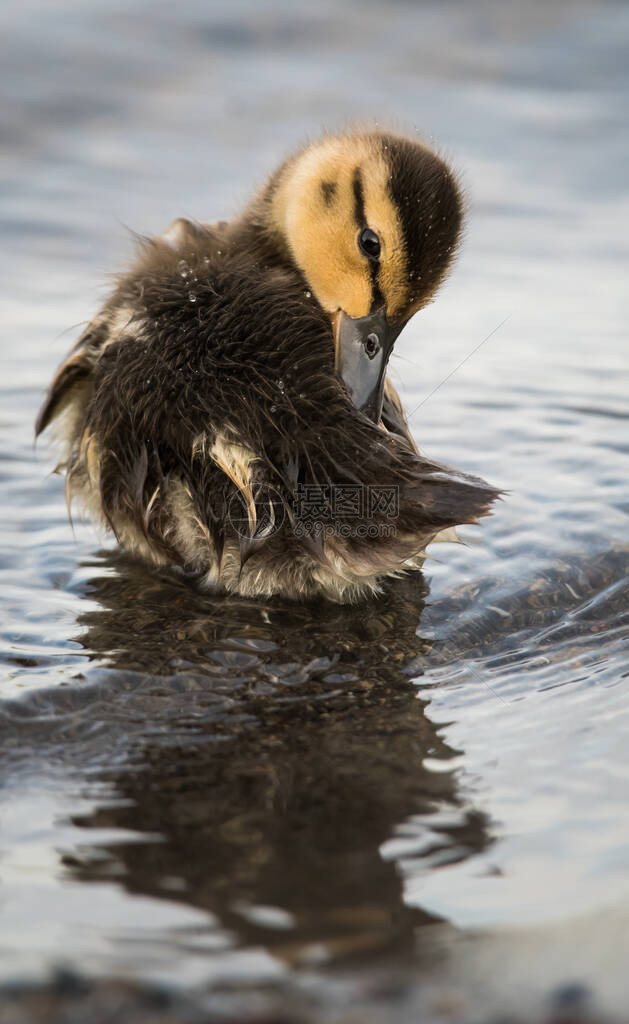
[(201, 408)]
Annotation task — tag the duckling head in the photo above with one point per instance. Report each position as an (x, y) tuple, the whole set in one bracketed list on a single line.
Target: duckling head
[(372, 221)]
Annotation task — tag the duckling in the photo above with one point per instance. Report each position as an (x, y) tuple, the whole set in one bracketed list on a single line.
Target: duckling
[(228, 410)]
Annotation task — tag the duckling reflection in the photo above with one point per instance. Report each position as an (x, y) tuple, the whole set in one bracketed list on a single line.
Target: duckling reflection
[(281, 749)]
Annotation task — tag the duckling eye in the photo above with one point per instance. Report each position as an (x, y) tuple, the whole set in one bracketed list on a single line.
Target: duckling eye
[(369, 243)]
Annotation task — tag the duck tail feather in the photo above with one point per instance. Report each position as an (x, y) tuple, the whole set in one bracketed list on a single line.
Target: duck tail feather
[(448, 497)]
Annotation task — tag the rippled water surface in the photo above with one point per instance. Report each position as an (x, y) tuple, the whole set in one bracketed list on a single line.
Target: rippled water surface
[(412, 810)]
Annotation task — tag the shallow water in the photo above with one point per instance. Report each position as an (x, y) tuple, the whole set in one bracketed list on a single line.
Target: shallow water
[(417, 807)]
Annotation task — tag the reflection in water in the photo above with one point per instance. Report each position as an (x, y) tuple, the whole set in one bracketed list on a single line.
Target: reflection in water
[(280, 746)]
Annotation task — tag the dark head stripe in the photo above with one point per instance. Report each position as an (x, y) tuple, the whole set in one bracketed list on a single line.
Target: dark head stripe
[(377, 298), (359, 200), (428, 202)]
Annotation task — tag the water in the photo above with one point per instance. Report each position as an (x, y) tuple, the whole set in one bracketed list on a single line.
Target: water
[(412, 810)]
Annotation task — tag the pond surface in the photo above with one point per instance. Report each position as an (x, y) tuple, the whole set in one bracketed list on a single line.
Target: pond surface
[(412, 810)]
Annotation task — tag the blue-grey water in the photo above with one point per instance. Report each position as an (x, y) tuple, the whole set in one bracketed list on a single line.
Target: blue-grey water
[(414, 810)]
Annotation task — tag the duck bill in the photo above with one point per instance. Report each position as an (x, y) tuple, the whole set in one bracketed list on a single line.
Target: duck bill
[(363, 346)]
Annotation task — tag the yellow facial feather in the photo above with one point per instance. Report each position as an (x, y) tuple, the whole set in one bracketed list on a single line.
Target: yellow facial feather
[(314, 209)]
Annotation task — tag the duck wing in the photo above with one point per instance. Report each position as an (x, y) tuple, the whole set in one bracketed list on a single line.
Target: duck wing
[(72, 379)]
